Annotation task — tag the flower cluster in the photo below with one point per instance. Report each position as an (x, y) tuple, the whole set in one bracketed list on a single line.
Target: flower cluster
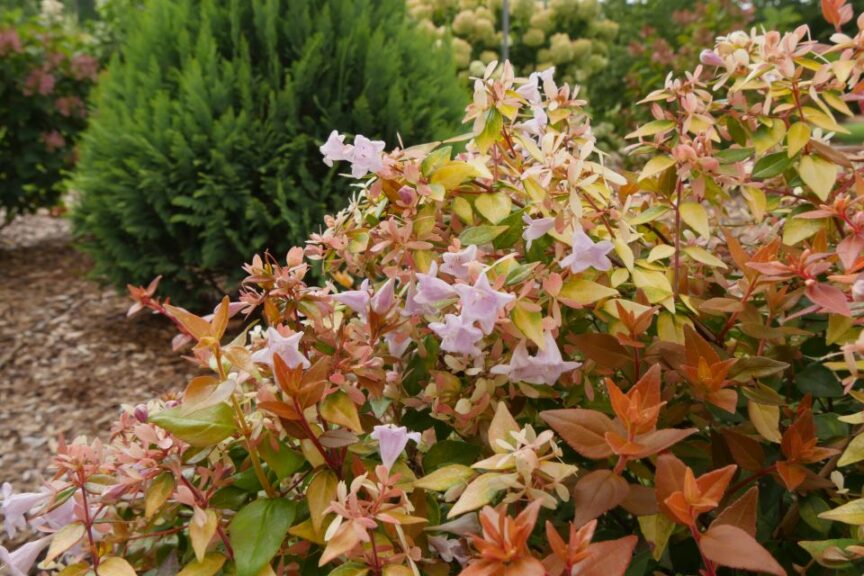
[(659, 368)]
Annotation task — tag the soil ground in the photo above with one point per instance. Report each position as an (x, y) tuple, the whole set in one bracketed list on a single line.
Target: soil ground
[(69, 357)]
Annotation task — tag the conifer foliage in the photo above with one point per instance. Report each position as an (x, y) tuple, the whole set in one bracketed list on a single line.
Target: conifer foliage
[(204, 145)]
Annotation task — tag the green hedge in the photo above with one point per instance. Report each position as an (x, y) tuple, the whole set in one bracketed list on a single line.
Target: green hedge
[(204, 145)]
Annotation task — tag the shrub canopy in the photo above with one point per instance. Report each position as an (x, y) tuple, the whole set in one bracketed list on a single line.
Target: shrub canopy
[(521, 362), (204, 143)]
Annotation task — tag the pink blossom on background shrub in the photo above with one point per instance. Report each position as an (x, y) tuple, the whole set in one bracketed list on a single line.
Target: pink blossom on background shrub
[(10, 42)]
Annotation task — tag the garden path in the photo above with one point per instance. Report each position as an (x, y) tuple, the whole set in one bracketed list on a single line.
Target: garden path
[(69, 357)]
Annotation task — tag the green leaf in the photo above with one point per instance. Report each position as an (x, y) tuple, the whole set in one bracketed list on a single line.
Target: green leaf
[(481, 234), (257, 531), (200, 428), (585, 292), (849, 513), (350, 569), (418, 367), (282, 460), (530, 323), (450, 452), (650, 215), (819, 381), (854, 452), (799, 229), (491, 130), (481, 491), (652, 128), (797, 137), (732, 155), (771, 165)]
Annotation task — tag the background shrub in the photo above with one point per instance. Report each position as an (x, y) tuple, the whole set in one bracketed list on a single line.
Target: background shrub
[(46, 72), (572, 35), (204, 145)]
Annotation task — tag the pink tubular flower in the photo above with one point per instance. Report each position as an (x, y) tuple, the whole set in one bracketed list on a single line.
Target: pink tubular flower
[(15, 508), (286, 348), (544, 368), (392, 440), (587, 254), (366, 156), (481, 303), (456, 263), (335, 149), (21, 561), (535, 229), (457, 335)]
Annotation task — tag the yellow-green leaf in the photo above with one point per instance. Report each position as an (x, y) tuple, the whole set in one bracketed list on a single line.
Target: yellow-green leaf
[(756, 201), (798, 137), (501, 427), (481, 491), (822, 120), (796, 230), (64, 539), (661, 252), (849, 513), (657, 529), (338, 408), (494, 207), (655, 284), (200, 533), (321, 491), (695, 216), (655, 166), (445, 478), (819, 174), (854, 452), (585, 292), (529, 322), (701, 255), (652, 128), (453, 173), (766, 419), (209, 566), (158, 492), (114, 566)]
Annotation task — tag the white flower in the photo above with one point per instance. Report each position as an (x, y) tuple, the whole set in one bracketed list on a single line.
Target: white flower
[(16, 506), (335, 149), (392, 440), (366, 156)]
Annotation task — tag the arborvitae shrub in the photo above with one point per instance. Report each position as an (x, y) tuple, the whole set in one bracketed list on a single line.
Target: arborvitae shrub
[(204, 144)]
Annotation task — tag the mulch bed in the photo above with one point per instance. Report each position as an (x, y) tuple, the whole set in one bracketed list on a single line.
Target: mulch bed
[(69, 357)]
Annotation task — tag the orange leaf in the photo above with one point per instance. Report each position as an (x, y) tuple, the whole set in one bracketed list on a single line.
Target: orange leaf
[(669, 479), (733, 547), (610, 558), (596, 493), (660, 440), (741, 513), (583, 430)]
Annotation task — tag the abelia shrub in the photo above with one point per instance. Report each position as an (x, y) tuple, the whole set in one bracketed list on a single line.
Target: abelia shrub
[(48, 70), (520, 361)]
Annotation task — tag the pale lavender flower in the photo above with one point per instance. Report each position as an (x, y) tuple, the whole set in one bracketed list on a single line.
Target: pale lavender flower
[(21, 561), (586, 254), (710, 58), (366, 156), (335, 149), (481, 303), (537, 125), (456, 263), (384, 297), (286, 347), (397, 343), (531, 89), (392, 440), (544, 368), (356, 300), (457, 335), (449, 549), (16, 507), (432, 290), (536, 228), (858, 290)]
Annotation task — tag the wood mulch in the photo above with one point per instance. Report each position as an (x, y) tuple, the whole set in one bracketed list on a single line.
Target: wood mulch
[(69, 357)]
